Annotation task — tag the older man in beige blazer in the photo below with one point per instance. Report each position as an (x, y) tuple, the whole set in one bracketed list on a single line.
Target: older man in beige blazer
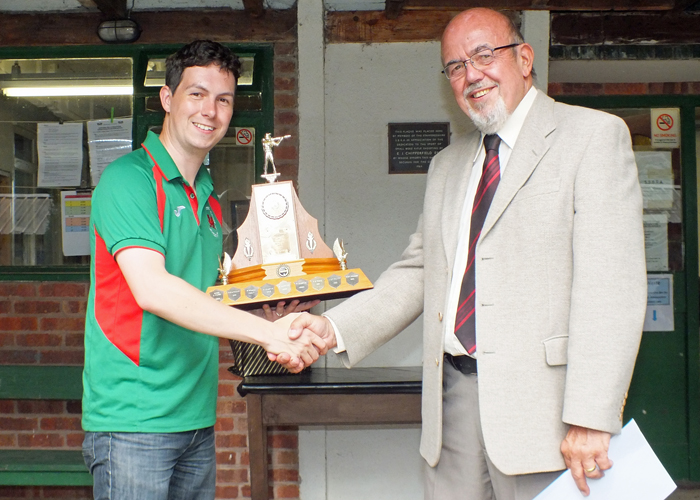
[(560, 282)]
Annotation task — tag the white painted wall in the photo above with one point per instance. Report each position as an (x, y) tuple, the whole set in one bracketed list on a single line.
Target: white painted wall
[(366, 87), (535, 30)]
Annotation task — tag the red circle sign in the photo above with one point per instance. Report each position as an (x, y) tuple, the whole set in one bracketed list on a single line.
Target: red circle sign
[(664, 122), (244, 136)]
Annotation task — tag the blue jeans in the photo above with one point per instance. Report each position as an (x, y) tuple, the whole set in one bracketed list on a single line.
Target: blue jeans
[(144, 466)]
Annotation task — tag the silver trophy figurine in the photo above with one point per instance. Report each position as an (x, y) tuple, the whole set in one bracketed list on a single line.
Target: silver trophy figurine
[(268, 143)]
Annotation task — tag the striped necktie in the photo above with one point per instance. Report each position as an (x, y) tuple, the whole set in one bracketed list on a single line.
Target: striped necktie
[(465, 322)]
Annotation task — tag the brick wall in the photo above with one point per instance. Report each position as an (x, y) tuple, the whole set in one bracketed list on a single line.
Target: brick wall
[(286, 110), (43, 323)]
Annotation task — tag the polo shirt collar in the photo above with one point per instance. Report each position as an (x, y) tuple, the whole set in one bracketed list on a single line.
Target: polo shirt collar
[(203, 181)]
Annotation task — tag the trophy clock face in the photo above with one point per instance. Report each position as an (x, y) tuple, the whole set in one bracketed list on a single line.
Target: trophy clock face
[(274, 206)]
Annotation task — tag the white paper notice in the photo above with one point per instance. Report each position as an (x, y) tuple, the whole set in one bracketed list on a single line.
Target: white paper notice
[(656, 179), (656, 241), (75, 221), (60, 149), (659, 317), (637, 474), (107, 141)]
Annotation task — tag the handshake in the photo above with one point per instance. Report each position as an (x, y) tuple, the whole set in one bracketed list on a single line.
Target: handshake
[(299, 338)]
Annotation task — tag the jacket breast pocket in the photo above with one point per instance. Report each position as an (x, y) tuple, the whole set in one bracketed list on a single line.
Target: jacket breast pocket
[(537, 189), (556, 350)]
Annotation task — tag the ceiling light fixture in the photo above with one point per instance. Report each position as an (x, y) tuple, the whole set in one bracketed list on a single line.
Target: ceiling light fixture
[(119, 31)]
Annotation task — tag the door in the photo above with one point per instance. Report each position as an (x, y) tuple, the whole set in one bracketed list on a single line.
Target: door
[(663, 397)]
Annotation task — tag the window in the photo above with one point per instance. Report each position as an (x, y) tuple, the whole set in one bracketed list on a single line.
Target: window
[(64, 116)]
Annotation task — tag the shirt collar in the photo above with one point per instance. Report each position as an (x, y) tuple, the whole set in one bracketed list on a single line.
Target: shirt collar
[(161, 156), (168, 167), (511, 129)]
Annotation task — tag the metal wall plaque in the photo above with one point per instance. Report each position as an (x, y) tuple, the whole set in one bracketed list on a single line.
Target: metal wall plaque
[(413, 145)]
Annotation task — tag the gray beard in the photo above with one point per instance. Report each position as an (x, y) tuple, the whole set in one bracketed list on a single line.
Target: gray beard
[(492, 121)]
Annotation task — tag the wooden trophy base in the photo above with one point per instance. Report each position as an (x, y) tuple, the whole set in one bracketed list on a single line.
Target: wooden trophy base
[(327, 285)]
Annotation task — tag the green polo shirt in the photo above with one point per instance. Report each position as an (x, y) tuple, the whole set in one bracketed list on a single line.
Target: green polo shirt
[(143, 373)]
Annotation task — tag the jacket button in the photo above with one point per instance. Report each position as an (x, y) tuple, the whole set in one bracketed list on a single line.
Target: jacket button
[(439, 316)]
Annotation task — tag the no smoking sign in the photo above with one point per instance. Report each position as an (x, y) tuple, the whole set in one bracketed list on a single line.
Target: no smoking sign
[(665, 132), (664, 122), (245, 136)]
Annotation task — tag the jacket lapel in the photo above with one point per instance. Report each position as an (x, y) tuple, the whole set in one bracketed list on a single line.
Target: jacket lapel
[(529, 149), (456, 183)]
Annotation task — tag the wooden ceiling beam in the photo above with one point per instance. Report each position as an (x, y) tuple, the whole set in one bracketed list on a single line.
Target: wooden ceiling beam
[(681, 5), (567, 28), (374, 27), (254, 8), (624, 29), (393, 8), (113, 9), (552, 5), (166, 27)]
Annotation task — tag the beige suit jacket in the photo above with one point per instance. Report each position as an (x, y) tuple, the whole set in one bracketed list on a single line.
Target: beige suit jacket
[(560, 280)]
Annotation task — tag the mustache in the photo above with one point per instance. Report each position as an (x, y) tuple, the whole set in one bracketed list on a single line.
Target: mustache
[(478, 86)]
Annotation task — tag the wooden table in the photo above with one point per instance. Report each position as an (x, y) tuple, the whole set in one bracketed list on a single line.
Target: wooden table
[(325, 396)]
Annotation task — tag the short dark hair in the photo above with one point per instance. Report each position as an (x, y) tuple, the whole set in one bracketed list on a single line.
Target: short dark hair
[(200, 53)]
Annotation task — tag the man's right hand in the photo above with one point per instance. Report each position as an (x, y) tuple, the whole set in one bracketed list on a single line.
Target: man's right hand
[(317, 325), (303, 350)]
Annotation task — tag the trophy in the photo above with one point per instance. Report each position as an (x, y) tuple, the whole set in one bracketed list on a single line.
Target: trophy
[(280, 253)]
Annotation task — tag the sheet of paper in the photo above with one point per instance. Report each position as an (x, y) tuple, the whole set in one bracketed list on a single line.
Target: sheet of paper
[(659, 317), (107, 141), (637, 474), (75, 211), (656, 179), (60, 150), (656, 241)]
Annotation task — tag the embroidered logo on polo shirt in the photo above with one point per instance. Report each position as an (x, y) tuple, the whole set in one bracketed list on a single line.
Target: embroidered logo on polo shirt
[(178, 210), (212, 223)]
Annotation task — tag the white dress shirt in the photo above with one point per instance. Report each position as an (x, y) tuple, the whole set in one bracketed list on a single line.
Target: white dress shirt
[(509, 135)]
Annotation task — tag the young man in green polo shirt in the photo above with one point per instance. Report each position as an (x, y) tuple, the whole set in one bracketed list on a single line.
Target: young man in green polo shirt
[(151, 346)]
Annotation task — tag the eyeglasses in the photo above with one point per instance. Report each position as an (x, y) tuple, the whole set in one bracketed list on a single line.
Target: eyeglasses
[(479, 61)]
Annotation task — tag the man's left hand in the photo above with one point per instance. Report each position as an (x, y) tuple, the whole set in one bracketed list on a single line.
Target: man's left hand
[(586, 455), (282, 309)]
